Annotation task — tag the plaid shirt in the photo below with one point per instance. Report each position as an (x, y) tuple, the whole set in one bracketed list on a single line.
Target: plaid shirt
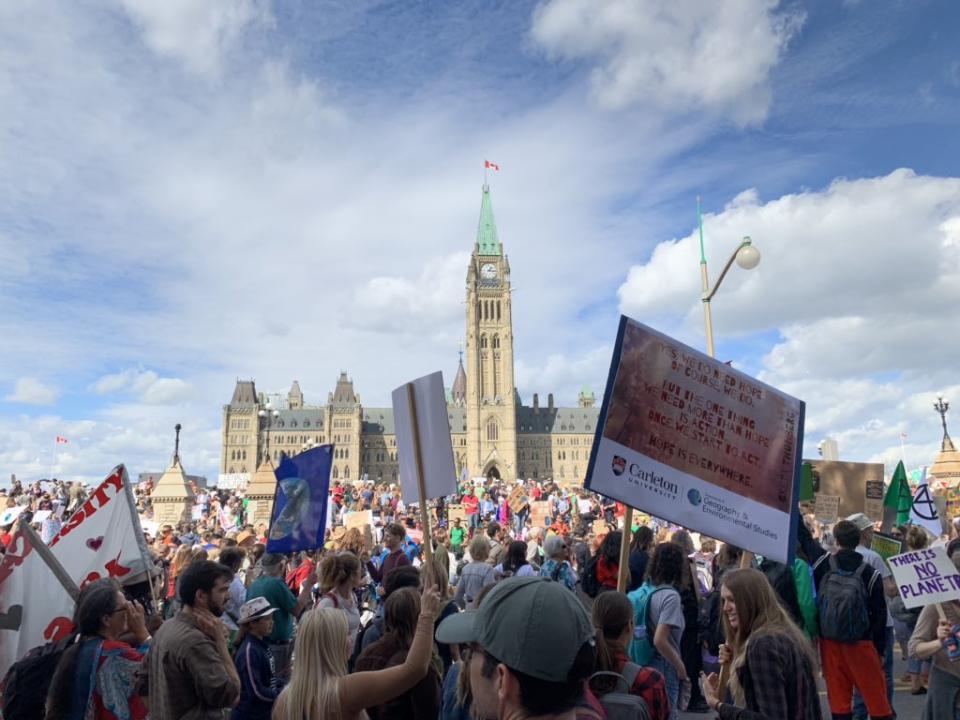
[(650, 685), (778, 682)]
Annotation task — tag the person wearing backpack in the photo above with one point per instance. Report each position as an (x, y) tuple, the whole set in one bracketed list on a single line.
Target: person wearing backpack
[(659, 622), (853, 622), (616, 674)]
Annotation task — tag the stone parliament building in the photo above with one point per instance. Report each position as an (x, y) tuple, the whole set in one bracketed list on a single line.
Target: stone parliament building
[(493, 433)]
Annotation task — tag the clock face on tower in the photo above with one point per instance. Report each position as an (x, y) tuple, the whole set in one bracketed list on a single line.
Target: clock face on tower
[(488, 271)]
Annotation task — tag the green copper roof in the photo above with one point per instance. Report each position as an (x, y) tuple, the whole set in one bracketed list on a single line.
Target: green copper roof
[(488, 243)]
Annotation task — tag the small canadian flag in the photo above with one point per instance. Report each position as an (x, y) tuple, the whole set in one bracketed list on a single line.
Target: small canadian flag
[(61, 440), (492, 166)]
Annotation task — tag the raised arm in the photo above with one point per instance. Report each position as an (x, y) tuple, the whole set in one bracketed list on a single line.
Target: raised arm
[(367, 689)]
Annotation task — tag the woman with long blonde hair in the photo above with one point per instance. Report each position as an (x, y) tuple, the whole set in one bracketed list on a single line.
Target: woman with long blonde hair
[(772, 676), (320, 688)]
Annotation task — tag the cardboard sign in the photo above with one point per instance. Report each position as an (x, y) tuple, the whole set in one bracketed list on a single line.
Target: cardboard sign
[(433, 432), (361, 519), (600, 527), (886, 546), (826, 508), (925, 577), (539, 513), (454, 512), (689, 439), (851, 481)]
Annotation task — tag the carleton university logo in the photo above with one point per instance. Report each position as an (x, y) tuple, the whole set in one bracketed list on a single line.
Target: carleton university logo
[(619, 465)]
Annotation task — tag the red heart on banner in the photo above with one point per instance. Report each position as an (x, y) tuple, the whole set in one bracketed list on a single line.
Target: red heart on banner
[(95, 543)]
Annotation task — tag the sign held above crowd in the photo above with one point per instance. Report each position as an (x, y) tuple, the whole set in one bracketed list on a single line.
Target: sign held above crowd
[(423, 439), (299, 519), (690, 439), (925, 577)]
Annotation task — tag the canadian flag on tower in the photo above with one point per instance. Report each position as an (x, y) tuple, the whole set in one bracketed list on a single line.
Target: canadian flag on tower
[(487, 165), (61, 440)]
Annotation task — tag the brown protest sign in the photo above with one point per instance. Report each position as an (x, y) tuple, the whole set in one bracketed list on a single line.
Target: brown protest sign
[(539, 512), (454, 512), (850, 482)]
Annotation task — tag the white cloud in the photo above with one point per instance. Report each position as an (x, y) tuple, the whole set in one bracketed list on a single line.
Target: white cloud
[(680, 55), (195, 33), (860, 281), (30, 391), (146, 384)]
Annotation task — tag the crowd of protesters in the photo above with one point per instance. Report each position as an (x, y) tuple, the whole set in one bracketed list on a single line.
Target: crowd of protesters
[(509, 618)]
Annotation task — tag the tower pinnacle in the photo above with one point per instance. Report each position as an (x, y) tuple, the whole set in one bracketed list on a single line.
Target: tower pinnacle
[(488, 242)]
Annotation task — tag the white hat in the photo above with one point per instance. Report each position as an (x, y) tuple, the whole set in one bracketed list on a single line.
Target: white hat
[(258, 607), (861, 521)]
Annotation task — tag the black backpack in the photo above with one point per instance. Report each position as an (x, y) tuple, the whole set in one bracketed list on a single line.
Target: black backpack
[(588, 581), (843, 602), (27, 681)]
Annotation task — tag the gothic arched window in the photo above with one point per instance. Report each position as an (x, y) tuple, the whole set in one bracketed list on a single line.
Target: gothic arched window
[(496, 342), (493, 430), (483, 342)]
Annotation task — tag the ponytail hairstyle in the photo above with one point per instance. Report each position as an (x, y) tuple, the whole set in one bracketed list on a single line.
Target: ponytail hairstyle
[(97, 602), (336, 569), (612, 617)]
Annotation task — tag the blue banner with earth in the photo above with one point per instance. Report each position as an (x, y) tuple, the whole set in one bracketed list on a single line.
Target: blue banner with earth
[(300, 505)]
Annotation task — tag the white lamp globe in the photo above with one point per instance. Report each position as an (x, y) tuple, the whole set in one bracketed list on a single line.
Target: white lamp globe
[(748, 257)]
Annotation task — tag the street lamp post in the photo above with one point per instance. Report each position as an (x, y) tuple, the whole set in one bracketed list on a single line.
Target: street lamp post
[(746, 256), (267, 416)]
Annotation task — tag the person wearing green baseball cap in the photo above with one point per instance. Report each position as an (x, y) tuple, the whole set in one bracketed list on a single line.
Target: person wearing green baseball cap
[(531, 649)]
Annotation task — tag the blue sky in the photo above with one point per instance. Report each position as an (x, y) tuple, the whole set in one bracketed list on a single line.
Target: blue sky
[(194, 192)]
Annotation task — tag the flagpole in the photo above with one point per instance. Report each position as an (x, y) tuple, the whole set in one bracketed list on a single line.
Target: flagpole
[(903, 452), (484, 173)]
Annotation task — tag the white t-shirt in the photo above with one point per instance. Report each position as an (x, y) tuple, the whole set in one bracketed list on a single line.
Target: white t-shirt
[(584, 505), (873, 559)]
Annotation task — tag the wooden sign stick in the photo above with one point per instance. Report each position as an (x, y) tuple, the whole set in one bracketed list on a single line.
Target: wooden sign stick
[(623, 574), (421, 484)]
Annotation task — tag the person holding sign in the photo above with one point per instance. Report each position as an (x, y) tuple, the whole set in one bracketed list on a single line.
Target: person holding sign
[(774, 666), (931, 639)]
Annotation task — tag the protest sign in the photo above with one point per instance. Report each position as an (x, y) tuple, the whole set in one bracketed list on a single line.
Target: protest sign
[(885, 546), (37, 598), (40, 515), (851, 481), (925, 577), (232, 481), (358, 519), (925, 512), (149, 527), (826, 508), (10, 515), (691, 440), (454, 512), (424, 449), (196, 513), (103, 538), (300, 504), (539, 512)]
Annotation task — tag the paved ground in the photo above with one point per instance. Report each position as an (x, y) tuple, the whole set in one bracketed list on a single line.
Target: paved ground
[(907, 706)]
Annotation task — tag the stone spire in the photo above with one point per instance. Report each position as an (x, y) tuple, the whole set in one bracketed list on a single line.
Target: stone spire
[(343, 393), (460, 384), (295, 397), (488, 242)]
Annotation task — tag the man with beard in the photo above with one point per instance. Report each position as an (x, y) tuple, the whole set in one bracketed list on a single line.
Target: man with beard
[(191, 673)]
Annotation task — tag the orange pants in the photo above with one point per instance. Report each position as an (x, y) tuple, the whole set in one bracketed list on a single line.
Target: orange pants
[(849, 665)]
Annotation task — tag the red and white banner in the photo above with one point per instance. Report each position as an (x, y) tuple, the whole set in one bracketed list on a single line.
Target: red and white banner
[(36, 598), (103, 537)]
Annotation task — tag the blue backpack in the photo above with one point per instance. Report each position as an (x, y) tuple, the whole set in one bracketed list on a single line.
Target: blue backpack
[(642, 650)]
